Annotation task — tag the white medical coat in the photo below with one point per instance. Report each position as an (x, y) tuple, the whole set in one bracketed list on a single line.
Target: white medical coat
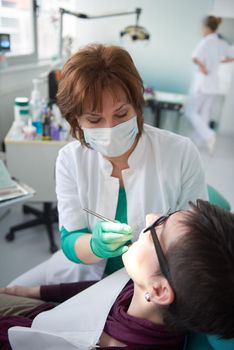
[(211, 50), (164, 172)]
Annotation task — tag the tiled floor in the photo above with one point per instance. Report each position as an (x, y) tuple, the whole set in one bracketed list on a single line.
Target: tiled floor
[(31, 246)]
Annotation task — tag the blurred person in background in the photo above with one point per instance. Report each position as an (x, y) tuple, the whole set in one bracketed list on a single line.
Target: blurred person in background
[(208, 54)]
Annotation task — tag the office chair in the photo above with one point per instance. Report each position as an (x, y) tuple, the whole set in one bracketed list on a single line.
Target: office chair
[(46, 217)]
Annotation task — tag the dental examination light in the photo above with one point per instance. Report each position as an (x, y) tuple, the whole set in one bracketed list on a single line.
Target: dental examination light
[(135, 32)]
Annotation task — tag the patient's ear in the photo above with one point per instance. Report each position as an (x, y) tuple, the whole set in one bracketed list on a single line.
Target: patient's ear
[(161, 292)]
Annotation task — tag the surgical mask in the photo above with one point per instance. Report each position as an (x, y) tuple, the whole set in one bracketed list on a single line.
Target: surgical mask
[(112, 142)]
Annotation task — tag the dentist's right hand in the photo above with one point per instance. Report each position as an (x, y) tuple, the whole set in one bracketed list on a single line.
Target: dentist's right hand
[(109, 239)]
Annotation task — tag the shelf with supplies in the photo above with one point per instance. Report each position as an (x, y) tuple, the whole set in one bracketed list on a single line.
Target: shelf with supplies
[(33, 162), (48, 126)]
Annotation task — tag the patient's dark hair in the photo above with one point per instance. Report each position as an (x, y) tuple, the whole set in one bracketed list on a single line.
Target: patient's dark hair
[(202, 270)]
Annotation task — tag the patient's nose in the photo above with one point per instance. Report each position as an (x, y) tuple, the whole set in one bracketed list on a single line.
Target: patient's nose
[(150, 218)]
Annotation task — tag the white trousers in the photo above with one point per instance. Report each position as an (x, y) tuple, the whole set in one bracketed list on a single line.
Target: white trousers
[(58, 269), (198, 111)]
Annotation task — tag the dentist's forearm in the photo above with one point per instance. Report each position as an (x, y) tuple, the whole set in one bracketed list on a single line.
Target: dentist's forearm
[(197, 61), (201, 65), (83, 250), (227, 60)]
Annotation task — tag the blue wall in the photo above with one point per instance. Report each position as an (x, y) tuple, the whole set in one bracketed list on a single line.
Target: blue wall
[(174, 25)]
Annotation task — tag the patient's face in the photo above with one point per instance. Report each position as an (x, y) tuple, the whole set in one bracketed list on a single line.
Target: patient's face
[(141, 261)]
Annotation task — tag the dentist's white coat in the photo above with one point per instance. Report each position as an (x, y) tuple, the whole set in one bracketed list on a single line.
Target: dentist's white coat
[(164, 172), (211, 50)]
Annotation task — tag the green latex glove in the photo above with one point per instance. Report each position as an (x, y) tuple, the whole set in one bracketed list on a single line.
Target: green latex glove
[(109, 239)]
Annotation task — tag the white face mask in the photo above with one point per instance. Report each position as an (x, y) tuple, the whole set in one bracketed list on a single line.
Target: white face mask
[(112, 142)]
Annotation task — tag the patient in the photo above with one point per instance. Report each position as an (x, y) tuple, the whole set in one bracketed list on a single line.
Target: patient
[(182, 283)]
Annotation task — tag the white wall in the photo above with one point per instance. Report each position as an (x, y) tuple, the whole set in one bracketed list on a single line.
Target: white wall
[(164, 62), (227, 119), (223, 8)]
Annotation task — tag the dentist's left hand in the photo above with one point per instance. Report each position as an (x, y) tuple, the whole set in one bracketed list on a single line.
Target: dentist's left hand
[(109, 239)]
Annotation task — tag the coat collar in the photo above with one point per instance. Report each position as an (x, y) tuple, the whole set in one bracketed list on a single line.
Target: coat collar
[(134, 159)]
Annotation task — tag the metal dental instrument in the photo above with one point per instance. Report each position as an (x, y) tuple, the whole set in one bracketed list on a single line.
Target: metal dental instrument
[(98, 215)]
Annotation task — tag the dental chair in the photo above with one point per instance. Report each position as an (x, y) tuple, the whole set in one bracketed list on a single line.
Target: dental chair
[(217, 198), (208, 342), (59, 340)]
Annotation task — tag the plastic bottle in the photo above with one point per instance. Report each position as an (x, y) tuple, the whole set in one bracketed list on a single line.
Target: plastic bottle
[(64, 130), (46, 126), (35, 102), (54, 129), (21, 109), (57, 114), (29, 130), (17, 130), (39, 123)]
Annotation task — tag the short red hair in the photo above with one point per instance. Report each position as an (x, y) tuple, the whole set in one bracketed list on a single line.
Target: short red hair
[(88, 73)]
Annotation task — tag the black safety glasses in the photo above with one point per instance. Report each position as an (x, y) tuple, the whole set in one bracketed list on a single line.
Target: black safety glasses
[(161, 256)]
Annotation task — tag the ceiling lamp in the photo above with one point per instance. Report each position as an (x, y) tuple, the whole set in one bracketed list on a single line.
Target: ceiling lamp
[(135, 32)]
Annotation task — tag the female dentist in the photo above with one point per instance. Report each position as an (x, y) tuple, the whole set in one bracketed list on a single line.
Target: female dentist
[(209, 53), (118, 167)]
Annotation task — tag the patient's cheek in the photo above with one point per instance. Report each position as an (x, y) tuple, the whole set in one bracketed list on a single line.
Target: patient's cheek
[(131, 255)]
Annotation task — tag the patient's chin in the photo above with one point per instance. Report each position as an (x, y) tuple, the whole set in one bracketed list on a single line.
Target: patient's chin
[(124, 256), (127, 255)]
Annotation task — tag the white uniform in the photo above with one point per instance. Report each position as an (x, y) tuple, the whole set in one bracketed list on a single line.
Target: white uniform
[(164, 172), (211, 50)]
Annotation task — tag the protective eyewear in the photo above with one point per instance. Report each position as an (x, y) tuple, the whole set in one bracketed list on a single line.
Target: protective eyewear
[(163, 264)]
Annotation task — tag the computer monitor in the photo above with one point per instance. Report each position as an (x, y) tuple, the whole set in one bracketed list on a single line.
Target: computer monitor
[(5, 42)]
